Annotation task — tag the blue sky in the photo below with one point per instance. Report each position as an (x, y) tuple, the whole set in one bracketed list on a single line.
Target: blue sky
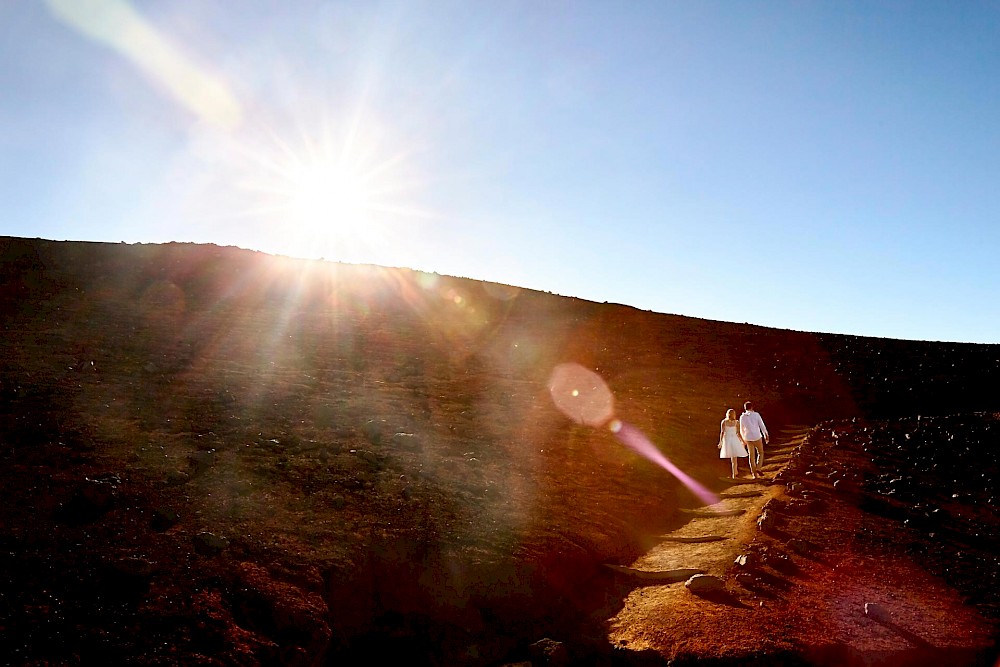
[(818, 166)]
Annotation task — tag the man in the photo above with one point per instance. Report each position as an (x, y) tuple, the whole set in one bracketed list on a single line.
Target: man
[(755, 433)]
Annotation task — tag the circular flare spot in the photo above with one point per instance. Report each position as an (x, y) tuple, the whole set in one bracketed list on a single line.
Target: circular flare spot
[(581, 394)]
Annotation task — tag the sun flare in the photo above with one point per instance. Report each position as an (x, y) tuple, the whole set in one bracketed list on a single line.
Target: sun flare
[(327, 198), (343, 191)]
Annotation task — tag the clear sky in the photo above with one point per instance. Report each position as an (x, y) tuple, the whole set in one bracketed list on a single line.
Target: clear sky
[(819, 166)]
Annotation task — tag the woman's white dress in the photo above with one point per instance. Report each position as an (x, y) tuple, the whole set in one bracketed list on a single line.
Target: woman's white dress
[(731, 445)]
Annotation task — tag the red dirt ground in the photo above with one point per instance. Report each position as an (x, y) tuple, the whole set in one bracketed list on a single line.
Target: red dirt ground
[(213, 456)]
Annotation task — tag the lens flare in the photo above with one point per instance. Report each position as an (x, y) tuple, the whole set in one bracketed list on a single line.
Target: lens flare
[(583, 396), (117, 24), (635, 440)]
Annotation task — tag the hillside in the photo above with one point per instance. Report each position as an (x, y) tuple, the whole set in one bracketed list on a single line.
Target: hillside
[(216, 456)]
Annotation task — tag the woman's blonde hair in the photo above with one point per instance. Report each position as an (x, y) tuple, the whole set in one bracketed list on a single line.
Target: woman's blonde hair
[(730, 411)]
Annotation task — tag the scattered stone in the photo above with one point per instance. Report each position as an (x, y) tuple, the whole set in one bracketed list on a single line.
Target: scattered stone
[(774, 505), (798, 546), (780, 561), (816, 505), (372, 431), (98, 494), (164, 518), (134, 567), (407, 441), (704, 583), (128, 579), (876, 612), (177, 478), (804, 506), (368, 457), (202, 460), (767, 522), (208, 544), (549, 652), (91, 500)]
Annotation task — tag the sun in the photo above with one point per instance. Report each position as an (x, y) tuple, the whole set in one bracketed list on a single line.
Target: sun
[(328, 199), (333, 208), (344, 192)]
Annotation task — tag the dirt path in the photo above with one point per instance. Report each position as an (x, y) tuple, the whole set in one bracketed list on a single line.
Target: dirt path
[(708, 544)]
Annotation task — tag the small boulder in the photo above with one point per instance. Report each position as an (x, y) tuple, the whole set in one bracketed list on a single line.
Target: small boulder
[(133, 567), (164, 518), (127, 579), (372, 431), (242, 487), (209, 544), (748, 580), (549, 652), (202, 460), (704, 583), (98, 494), (370, 458), (876, 612), (177, 478), (767, 521), (407, 441), (798, 546)]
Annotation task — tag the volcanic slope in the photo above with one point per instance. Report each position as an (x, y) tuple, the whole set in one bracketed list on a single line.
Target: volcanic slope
[(216, 456)]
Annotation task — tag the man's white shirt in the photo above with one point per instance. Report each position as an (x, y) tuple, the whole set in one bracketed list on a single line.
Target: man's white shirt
[(752, 426)]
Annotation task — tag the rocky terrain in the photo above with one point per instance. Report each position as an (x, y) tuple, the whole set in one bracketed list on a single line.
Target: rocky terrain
[(217, 457)]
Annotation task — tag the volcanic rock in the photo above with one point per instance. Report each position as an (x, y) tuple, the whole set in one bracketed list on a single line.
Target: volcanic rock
[(208, 544), (704, 583)]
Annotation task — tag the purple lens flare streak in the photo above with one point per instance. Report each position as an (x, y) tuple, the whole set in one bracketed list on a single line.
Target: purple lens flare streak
[(635, 440), (584, 396)]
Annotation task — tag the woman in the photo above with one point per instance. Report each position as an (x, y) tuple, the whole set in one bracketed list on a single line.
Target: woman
[(731, 443)]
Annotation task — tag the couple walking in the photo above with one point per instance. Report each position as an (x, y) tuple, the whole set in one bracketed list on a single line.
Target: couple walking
[(743, 437)]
